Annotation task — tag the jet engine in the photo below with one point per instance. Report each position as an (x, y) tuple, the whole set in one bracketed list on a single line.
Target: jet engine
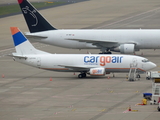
[(97, 71), (125, 48)]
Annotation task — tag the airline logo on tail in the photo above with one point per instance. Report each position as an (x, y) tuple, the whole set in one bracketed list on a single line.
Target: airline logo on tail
[(18, 37), (35, 21), (26, 10)]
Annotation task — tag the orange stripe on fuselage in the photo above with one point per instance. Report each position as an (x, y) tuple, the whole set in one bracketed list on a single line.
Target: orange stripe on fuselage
[(14, 30), (105, 68), (126, 68)]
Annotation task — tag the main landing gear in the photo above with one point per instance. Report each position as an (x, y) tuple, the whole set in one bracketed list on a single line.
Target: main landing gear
[(108, 52), (82, 75), (105, 51)]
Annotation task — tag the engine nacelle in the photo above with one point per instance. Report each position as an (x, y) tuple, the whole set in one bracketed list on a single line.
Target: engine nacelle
[(97, 71), (125, 48)]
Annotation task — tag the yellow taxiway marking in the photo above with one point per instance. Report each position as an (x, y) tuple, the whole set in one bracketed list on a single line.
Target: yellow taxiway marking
[(134, 110), (103, 110), (73, 109)]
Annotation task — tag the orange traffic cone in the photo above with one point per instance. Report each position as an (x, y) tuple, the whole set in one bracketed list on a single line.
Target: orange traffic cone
[(3, 76), (108, 77), (50, 79)]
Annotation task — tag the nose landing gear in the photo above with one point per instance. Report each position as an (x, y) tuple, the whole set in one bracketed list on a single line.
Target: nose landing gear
[(138, 76)]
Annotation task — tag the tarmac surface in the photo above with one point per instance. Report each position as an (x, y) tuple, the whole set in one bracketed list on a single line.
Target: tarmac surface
[(27, 93)]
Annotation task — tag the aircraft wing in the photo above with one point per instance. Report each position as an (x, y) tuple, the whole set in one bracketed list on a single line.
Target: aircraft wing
[(91, 41), (99, 43), (85, 68), (102, 43)]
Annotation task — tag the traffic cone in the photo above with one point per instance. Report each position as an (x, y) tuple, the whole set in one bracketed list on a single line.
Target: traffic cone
[(3, 76), (74, 73), (129, 109), (50, 79), (108, 77)]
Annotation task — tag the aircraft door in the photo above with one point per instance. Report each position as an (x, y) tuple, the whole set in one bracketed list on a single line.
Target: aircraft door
[(142, 66), (38, 61), (134, 63)]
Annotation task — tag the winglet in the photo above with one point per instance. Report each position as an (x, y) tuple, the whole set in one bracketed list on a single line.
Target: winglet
[(18, 37)]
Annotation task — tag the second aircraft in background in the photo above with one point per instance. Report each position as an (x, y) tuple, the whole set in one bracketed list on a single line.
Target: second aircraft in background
[(118, 40)]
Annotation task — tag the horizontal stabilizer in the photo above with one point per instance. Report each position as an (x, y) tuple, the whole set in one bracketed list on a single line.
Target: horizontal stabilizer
[(35, 37), (17, 56)]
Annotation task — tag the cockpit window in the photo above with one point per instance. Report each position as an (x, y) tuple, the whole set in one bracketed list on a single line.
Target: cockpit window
[(145, 60)]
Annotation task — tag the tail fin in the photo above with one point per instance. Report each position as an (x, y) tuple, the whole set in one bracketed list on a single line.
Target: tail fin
[(22, 45), (35, 21)]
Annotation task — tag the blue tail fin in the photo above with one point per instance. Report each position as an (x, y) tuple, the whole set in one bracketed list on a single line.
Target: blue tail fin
[(35, 21), (22, 45)]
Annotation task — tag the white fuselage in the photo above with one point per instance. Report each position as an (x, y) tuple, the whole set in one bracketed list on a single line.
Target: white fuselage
[(143, 39), (83, 62)]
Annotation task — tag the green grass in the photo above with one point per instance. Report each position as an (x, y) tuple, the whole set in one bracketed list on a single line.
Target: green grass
[(14, 8)]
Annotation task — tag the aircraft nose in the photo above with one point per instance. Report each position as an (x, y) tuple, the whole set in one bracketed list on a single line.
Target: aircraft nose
[(153, 65)]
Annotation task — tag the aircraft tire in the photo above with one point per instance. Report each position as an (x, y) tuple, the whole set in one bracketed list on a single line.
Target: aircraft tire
[(108, 52), (80, 76), (84, 74)]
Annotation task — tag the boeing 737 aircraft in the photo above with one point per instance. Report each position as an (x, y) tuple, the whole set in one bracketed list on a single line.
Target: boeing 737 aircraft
[(118, 40), (92, 64)]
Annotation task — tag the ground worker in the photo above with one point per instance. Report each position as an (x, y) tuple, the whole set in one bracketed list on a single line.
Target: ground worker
[(144, 101)]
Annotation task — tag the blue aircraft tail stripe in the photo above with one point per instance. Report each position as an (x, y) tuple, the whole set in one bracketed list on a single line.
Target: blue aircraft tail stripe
[(18, 38)]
